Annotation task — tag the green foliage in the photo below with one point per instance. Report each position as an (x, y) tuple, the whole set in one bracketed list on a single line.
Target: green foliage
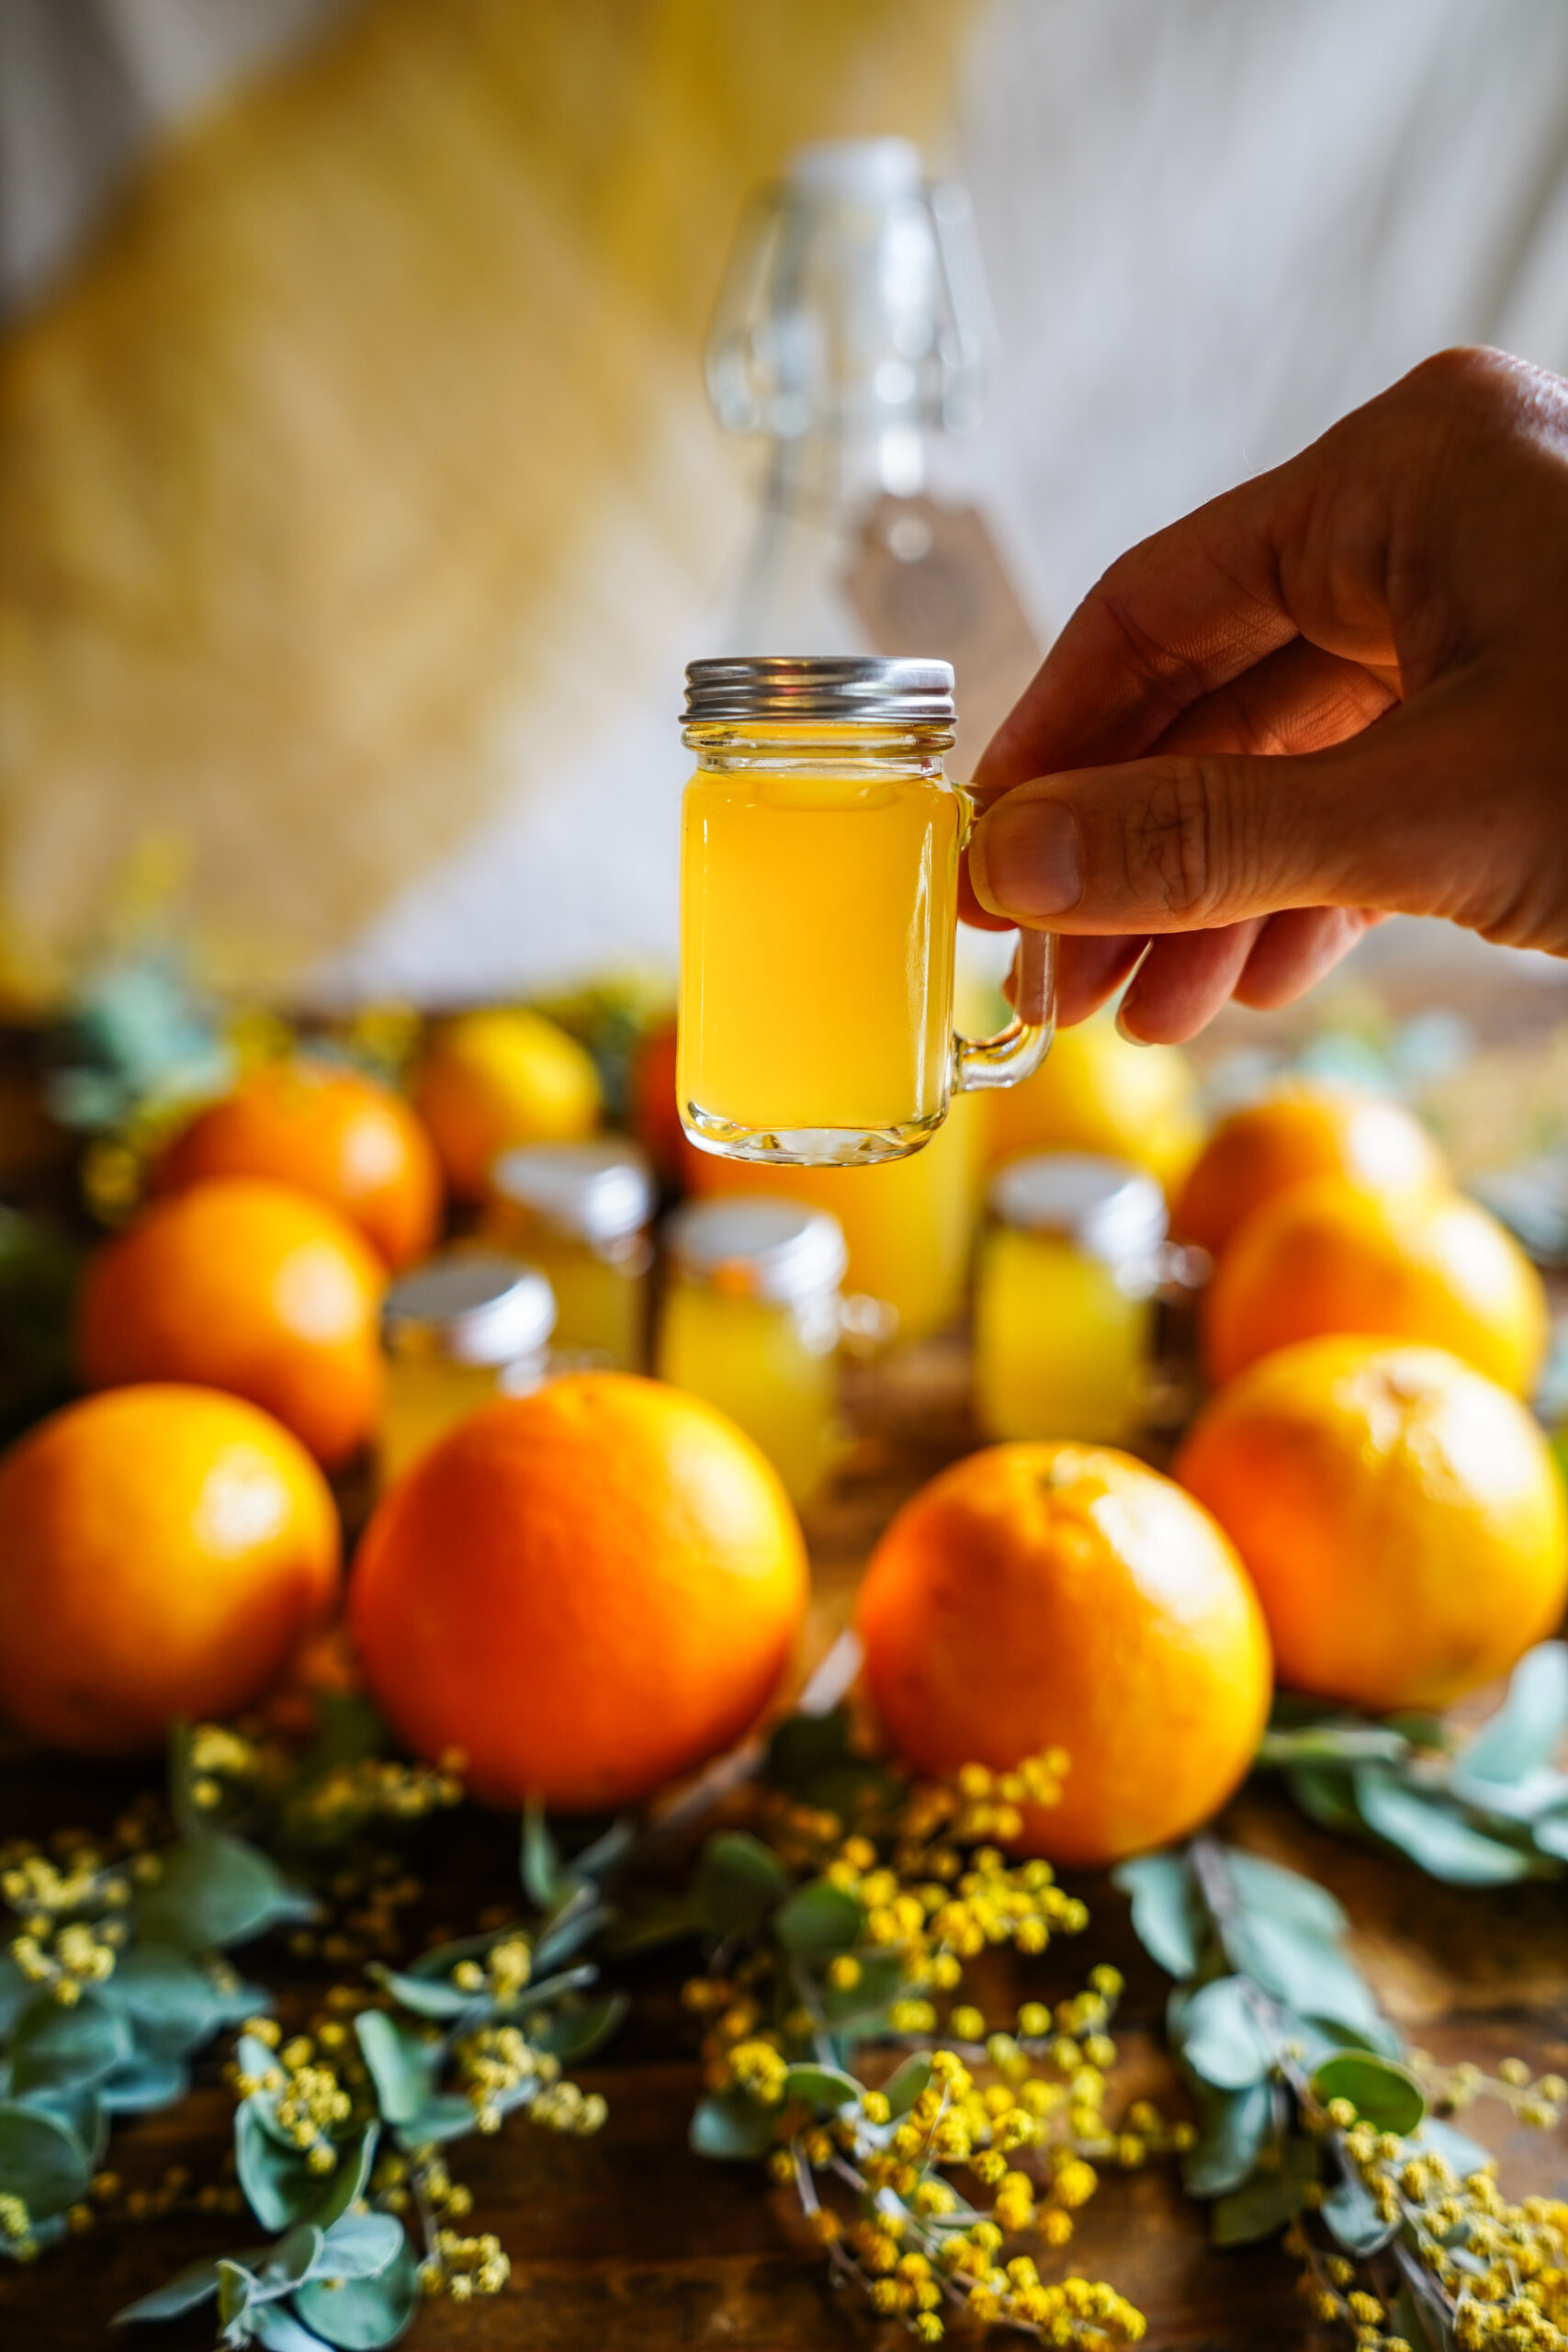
[(1485, 1812), (39, 1272)]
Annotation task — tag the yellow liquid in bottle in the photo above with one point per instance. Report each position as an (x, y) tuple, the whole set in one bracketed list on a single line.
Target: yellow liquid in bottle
[(818, 925), (425, 1396), (766, 1367), (601, 1301), (1059, 1350)]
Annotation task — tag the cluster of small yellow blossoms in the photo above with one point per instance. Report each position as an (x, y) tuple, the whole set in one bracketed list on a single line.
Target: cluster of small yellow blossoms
[(311, 2099), (367, 1900), (16, 2238), (463, 2267), (219, 1758), (376, 1789), (508, 1965), (1500, 2269), (53, 1947), (1538, 2100)]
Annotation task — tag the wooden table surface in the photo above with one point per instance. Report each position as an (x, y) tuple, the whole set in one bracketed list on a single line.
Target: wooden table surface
[(629, 2241)]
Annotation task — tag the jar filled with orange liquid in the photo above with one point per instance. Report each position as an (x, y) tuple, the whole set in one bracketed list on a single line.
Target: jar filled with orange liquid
[(580, 1212), (462, 1327), (751, 1320), (1071, 1261), (820, 840)]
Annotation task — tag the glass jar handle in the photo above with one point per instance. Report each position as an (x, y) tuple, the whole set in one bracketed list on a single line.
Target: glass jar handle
[(1017, 1051)]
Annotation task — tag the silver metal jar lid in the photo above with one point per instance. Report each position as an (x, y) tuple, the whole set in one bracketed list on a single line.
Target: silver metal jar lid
[(806, 686), (1108, 1207), (470, 1306), (755, 1247), (596, 1192)]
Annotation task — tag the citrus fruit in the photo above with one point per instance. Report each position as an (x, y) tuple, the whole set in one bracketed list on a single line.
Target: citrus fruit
[(492, 1079), (162, 1550), (334, 1134), (1430, 1266), (1049, 1595), (653, 1111), (1096, 1093), (586, 1591), (1298, 1131), (247, 1286), (1400, 1515)]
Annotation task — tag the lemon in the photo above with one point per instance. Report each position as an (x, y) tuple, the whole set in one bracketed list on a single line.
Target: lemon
[(494, 1079)]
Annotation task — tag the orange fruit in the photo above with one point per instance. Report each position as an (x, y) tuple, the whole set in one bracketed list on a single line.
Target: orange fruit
[(1401, 1517), (586, 1591), (247, 1286), (1430, 1266), (334, 1134), (1299, 1131), (162, 1550), (492, 1079), (1050, 1595), (1096, 1093)]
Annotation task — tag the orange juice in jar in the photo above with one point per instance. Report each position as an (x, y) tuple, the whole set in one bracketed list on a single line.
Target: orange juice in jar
[(820, 840)]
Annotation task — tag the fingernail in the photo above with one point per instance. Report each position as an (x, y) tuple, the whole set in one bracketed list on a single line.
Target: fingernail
[(1131, 1035), (1028, 858)]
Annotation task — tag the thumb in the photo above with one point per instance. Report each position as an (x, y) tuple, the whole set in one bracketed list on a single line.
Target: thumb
[(1397, 818)]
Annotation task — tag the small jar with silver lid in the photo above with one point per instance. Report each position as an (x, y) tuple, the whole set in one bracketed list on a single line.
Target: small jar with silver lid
[(582, 1212), (1072, 1260), (464, 1327), (751, 1318)]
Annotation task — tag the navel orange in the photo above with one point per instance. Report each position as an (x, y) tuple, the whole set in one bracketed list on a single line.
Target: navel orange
[(1429, 1265), (1300, 1130), (162, 1550), (334, 1134), (1050, 1595), (492, 1079), (1399, 1514), (586, 1591), (247, 1286), (653, 1111)]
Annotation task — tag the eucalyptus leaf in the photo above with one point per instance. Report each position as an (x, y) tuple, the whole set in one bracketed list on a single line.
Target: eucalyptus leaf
[(1221, 2039), (349, 2181), (363, 2312), (448, 2117), (1551, 1835), (400, 2066), (41, 2159), (731, 2125), (1302, 1970), (738, 1883), (1387, 2096), (164, 1993), (280, 2331), (575, 2030), (1324, 1797), (1235, 2128), (291, 2261), (1349, 2213), (15, 1993), (903, 2088), (1529, 1727), (57, 2048), (424, 1995), (824, 2088), (880, 1981), (1443, 1847), (79, 2108), (236, 2290), (1168, 1912), (801, 1745), (612, 1847), (1337, 1743), (193, 2284), (144, 2085), (1536, 1794), (361, 2246), (215, 1891), (279, 2186), (541, 1862), (1283, 1895), (1267, 2202), (1409, 2318), (818, 1920), (572, 1925), (437, 1963), (1457, 2149)]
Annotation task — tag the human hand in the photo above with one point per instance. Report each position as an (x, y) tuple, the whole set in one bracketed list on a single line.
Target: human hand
[(1339, 691)]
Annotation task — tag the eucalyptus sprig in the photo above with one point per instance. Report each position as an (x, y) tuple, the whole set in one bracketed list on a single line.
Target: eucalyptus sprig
[(1481, 1810), (342, 2133), (1316, 2121)]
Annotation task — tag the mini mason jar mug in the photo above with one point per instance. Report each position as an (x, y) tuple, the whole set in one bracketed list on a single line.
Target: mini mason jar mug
[(820, 840), (459, 1329), (580, 1212)]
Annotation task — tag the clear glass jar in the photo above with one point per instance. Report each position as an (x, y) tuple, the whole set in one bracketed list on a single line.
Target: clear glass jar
[(820, 840), (751, 1318), (1071, 1260), (582, 1212), (462, 1327)]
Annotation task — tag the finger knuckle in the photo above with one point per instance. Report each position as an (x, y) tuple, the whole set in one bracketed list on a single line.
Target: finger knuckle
[(1176, 845)]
